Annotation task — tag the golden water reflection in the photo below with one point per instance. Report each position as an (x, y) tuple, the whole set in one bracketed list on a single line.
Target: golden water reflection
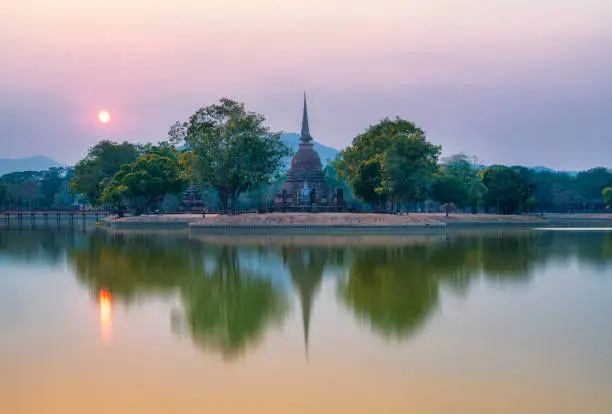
[(106, 321)]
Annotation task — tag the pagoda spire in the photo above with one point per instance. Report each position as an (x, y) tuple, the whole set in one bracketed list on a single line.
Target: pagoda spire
[(305, 135)]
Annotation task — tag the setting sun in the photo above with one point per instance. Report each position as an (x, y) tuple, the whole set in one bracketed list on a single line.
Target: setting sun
[(104, 117)]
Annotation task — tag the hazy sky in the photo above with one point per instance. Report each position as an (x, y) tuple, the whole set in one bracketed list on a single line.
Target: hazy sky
[(510, 81)]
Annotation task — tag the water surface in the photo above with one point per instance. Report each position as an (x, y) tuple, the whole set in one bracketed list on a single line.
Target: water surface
[(172, 322)]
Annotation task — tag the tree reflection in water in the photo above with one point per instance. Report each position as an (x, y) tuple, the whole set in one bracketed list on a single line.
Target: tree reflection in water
[(395, 289), (226, 308), (229, 308), (228, 303)]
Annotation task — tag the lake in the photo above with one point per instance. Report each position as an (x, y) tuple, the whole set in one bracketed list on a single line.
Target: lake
[(118, 322)]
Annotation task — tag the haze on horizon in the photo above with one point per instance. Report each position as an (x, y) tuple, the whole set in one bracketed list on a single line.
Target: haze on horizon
[(509, 81)]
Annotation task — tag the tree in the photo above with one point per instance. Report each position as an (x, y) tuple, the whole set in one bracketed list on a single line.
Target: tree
[(3, 195), (330, 172), (449, 189), (464, 168), (390, 161), (591, 183), (51, 183), (103, 161), (507, 190), (147, 180), (607, 195), (23, 188), (409, 166), (231, 150)]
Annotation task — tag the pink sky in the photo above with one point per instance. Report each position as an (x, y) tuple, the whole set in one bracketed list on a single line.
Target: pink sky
[(498, 79)]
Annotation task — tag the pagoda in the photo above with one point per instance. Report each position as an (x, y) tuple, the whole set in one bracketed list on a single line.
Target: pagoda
[(305, 186)]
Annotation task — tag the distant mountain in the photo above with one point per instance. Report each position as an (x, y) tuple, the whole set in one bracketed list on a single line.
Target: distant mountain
[(38, 163), (292, 140)]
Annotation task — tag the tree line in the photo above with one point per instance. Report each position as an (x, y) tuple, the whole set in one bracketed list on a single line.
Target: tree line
[(392, 165), (228, 158), (37, 190)]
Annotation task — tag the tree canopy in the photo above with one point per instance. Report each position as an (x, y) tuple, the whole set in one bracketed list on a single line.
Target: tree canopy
[(231, 149), (592, 182), (36, 189), (3, 195), (153, 175), (507, 189), (96, 170), (390, 162), (449, 189)]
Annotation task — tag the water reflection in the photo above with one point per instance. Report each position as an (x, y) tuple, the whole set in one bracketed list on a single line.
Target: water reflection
[(37, 246), (105, 314), (232, 290), (306, 267), (394, 289), (228, 308)]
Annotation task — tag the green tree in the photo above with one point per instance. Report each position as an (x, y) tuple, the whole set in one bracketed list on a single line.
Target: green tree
[(553, 190), (410, 165), (607, 195), (390, 161), (231, 150), (507, 189), (51, 184), (3, 195), (333, 180), (23, 189), (449, 189), (147, 180), (465, 168), (35, 189), (591, 183), (338, 183), (93, 173)]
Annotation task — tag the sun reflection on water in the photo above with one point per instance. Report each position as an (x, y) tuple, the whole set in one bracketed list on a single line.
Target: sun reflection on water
[(105, 314)]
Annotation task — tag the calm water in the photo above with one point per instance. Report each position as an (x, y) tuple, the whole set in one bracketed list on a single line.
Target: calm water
[(102, 322)]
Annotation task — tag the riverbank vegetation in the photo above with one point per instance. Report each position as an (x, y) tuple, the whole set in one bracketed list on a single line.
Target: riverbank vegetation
[(225, 158)]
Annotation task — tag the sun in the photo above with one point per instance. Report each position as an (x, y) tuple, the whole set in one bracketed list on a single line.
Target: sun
[(104, 116)]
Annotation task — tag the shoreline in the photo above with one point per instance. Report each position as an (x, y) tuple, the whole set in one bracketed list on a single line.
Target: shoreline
[(344, 222), (350, 222)]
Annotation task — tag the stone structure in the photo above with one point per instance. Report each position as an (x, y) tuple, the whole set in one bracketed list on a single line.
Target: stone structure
[(305, 186)]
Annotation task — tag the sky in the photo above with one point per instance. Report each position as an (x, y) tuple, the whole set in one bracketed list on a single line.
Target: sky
[(508, 81)]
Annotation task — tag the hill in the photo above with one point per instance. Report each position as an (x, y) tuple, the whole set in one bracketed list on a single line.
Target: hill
[(38, 163), (326, 153)]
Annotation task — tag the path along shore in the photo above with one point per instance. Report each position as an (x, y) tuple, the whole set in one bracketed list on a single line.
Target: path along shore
[(352, 221)]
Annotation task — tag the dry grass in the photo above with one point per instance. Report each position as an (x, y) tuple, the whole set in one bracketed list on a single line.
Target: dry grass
[(357, 219)]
